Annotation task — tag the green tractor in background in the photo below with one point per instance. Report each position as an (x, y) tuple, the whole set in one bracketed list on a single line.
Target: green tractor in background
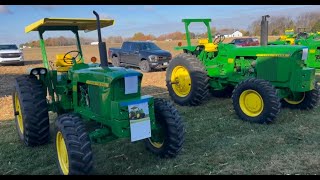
[(81, 93), (310, 40), (260, 78)]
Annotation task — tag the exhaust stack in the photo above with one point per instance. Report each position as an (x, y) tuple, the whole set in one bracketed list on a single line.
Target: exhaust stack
[(102, 45), (264, 31)]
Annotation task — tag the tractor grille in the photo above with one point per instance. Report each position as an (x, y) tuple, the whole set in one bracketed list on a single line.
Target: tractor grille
[(164, 58), (10, 55)]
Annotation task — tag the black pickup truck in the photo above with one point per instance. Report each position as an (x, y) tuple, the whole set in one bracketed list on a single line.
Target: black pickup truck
[(143, 54)]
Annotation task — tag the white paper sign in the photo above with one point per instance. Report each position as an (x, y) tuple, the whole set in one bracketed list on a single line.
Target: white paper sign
[(305, 53), (140, 126), (131, 84)]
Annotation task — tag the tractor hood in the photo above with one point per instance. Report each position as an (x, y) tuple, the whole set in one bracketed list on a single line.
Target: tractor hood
[(98, 74), (272, 50)]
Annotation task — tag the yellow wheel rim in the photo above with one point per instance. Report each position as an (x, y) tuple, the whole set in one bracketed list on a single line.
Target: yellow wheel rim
[(181, 81), (251, 103), (62, 153), (156, 144), (295, 102), (19, 116)]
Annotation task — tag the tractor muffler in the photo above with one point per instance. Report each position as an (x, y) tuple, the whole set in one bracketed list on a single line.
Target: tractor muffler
[(264, 31)]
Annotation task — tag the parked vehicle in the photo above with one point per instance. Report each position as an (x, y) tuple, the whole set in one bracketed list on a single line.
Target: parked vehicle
[(142, 54), (245, 42), (11, 54)]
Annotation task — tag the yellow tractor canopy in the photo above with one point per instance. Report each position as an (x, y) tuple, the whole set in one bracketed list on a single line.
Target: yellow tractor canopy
[(63, 23)]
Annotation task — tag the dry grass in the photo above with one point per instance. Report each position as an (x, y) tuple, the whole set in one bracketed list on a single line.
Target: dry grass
[(217, 142)]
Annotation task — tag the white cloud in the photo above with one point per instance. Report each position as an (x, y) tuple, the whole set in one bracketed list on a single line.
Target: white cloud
[(5, 10)]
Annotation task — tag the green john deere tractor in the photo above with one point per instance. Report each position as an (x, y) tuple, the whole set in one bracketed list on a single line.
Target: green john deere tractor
[(136, 113), (259, 78), (310, 40), (81, 93)]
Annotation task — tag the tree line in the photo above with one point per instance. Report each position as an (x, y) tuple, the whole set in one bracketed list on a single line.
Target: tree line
[(277, 26)]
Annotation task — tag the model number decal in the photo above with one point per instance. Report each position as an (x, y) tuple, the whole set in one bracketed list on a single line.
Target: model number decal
[(273, 55), (97, 83)]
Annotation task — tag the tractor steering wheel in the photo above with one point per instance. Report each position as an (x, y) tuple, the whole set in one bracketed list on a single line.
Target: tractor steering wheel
[(73, 57), (219, 38)]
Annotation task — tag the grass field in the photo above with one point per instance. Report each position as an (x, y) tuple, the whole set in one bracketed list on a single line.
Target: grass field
[(217, 142)]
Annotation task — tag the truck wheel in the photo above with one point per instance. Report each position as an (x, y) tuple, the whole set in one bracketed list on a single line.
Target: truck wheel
[(187, 80), (73, 146), (115, 61), (225, 93), (166, 141), (31, 111), (144, 66), (303, 101), (256, 100)]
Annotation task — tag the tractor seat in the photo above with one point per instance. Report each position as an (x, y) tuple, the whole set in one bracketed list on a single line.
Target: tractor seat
[(209, 47), (64, 66)]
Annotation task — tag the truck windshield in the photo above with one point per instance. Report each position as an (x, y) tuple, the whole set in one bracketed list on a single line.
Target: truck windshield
[(148, 46), (9, 46), (238, 41)]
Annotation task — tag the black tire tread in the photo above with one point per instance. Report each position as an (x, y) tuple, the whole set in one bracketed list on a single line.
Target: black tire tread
[(311, 100), (198, 73), (174, 129), (269, 94), (34, 109), (78, 143)]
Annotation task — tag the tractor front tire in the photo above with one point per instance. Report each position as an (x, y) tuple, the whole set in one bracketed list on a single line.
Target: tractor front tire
[(224, 93), (31, 110), (73, 146), (167, 141), (256, 100), (187, 80), (308, 101)]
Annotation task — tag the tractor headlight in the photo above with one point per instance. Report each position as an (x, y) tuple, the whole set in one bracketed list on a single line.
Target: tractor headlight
[(35, 72), (43, 71), (304, 54), (153, 58)]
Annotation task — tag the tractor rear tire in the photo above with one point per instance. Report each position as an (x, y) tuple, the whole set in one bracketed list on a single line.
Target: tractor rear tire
[(194, 85), (73, 145), (309, 101), (256, 100), (31, 110), (172, 130), (225, 93)]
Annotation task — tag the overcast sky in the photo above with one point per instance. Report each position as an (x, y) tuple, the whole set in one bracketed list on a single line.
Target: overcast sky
[(154, 19)]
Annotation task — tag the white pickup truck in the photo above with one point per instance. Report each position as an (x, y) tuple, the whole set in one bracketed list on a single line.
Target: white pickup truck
[(11, 54)]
